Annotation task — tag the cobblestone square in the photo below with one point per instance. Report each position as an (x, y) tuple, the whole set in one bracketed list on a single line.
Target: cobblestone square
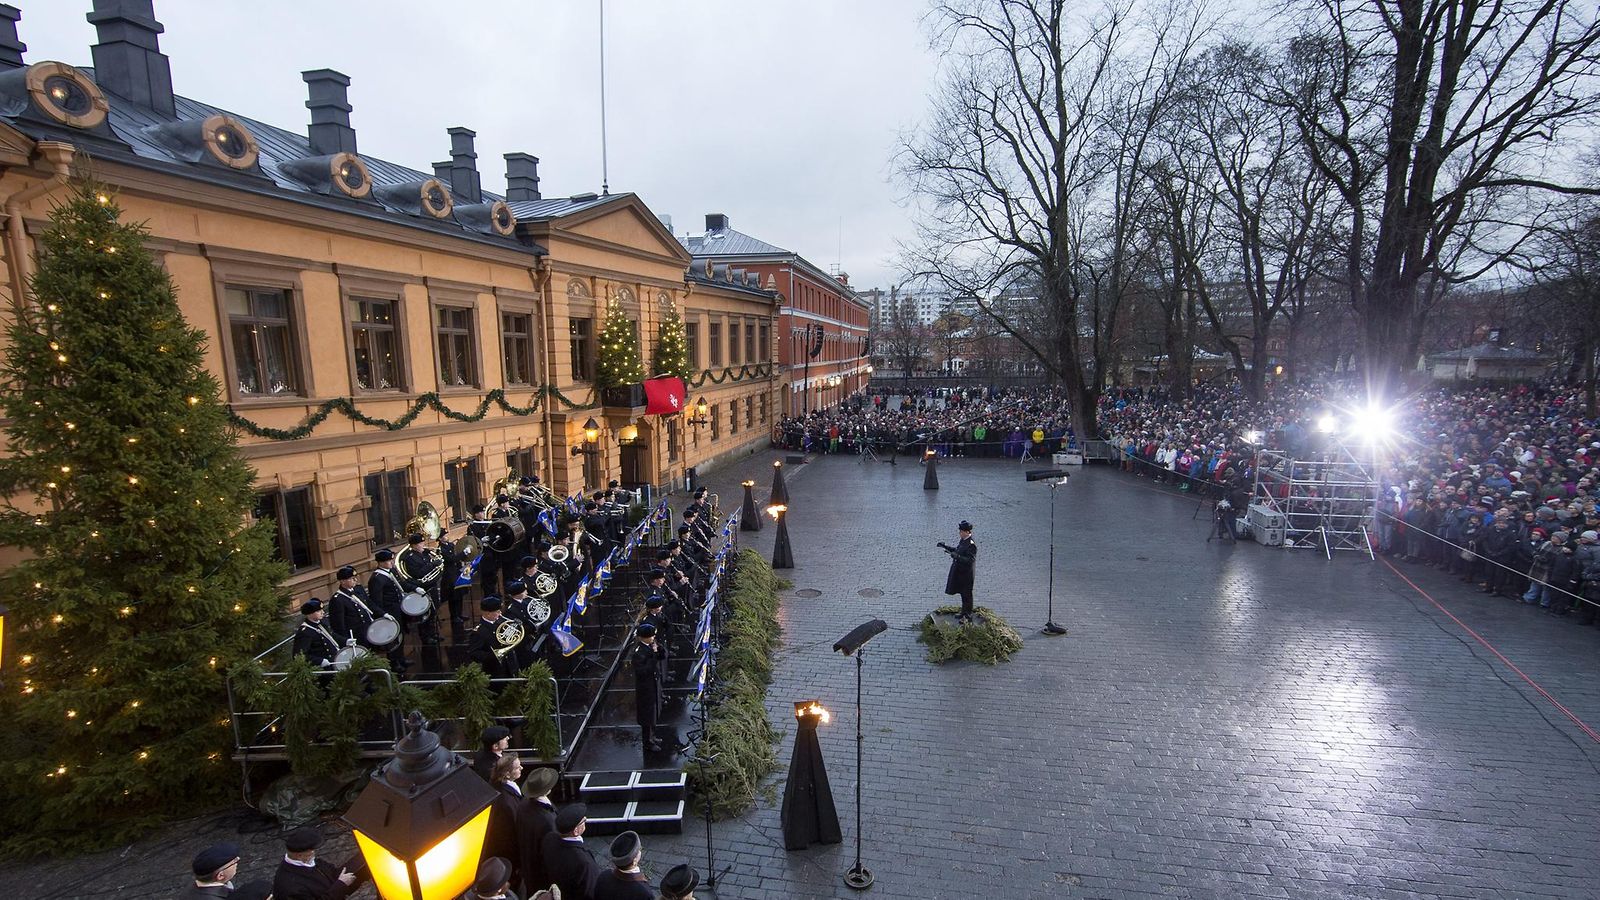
[(1221, 721)]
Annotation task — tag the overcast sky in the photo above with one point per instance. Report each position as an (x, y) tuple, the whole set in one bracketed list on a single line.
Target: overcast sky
[(783, 114)]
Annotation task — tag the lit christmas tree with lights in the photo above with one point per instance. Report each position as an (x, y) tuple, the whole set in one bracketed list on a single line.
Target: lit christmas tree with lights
[(144, 580), (672, 347), (618, 359)]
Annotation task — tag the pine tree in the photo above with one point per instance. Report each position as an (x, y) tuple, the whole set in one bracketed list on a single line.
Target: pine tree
[(144, 580), (672, 347), (619, 363)]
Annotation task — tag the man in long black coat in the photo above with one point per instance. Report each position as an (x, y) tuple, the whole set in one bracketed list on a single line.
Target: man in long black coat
[(538, 819), (301, 876), (647, 673), (568, 862), (963, 565)]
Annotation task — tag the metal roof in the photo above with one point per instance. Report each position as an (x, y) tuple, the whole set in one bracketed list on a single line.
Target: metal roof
[(556, 207), (129, 140), (728, 242)]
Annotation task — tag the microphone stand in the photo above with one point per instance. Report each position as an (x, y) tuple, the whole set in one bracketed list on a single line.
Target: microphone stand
[(1050, 626), (858, 878)]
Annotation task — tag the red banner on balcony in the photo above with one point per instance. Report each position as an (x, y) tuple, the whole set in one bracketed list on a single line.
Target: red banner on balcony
[(664, 396)]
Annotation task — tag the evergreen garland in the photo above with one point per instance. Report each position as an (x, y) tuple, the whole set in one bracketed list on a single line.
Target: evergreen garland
[(142, 583), (672, 347), (618, 362), (429, 400), (761, 370), (989, 640), (739, 736)]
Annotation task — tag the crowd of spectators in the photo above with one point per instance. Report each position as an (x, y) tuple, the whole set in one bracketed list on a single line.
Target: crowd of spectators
[(1497, 484)]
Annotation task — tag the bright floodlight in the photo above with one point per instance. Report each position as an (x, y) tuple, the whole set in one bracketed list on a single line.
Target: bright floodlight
[(1252, 437), (1327, 424), (1373, 424)]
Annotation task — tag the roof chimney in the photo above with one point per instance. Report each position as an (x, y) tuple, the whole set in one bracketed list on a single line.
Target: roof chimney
[(464, 166), (10, 47), (330, 130), (522, 177), (716, 222), (128, 60)]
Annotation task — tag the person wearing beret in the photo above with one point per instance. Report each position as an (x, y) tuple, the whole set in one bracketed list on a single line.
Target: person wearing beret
[(301, 876), (679, 883), (492, 745), (646, 661), (655, 613), (312, 640), (518, 605), (963, 566), (570, 865), (493, 881), (214, 868), (537, 820), (624, 881)]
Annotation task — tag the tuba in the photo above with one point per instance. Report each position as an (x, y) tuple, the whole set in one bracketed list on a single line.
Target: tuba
[(507, 485), (425, 523)]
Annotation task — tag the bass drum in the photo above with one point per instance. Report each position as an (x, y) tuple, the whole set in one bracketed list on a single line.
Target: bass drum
[(505, 534), (349, 655), (383, 634)]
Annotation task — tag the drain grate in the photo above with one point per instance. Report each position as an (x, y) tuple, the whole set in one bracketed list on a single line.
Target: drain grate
[(870, 592), (807, 593)]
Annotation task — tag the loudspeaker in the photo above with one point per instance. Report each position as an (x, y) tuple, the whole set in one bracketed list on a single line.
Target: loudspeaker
[(1043, 474), (864, 632)]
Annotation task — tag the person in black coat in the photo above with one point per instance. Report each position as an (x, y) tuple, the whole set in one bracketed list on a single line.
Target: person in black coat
[(647, 669), (383, 586), (350, 609), (538, 819), (311, 639), (301, 876), (624, 881), (501, 837), (963, 566), (492, 746), (571, 865), (214, 868), (481, 644)]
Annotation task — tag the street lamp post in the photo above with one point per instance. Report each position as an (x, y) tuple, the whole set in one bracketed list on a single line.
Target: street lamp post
[(421, 820)]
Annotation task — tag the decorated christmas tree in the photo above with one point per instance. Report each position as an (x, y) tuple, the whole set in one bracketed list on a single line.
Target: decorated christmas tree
[(672, 347), (619, 363), (143, 580)]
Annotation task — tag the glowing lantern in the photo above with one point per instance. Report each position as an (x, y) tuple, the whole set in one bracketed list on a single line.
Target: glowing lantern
[(421, 820)]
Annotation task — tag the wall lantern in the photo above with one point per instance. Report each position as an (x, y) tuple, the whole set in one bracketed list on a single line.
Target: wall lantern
[(591, 431)]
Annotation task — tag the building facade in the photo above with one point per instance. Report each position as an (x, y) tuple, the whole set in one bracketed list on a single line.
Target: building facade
[(822, 333), (461, 326)]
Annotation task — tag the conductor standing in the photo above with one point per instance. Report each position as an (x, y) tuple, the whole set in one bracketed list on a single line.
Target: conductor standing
[(963, 563)]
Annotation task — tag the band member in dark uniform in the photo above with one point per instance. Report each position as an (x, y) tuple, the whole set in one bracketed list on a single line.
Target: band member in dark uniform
[(482, 644), (447, 585), (350, 611), (311, 639), (518, 605), (963, 565), (655, 614), (214, 868), (647, 670), (383, 586), (422, 569)]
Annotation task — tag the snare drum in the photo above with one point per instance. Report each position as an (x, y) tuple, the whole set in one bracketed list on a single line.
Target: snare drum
[(383, 634), (349, 655), (416, 605)]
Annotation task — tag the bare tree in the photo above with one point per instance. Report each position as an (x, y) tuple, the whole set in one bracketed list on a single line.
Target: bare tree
[(904, 341), (1007, 167), (1437, 123)]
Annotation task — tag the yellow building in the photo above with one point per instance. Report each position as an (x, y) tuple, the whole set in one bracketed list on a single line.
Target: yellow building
[(333, 282)]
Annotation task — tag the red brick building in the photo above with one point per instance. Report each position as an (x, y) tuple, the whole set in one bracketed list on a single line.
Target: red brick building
[(817, 307)]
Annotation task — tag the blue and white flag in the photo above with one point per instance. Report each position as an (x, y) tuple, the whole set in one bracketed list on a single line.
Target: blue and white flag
[(703, 632), (579, 603), (566, 641), (702, 668), (547, 520)]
